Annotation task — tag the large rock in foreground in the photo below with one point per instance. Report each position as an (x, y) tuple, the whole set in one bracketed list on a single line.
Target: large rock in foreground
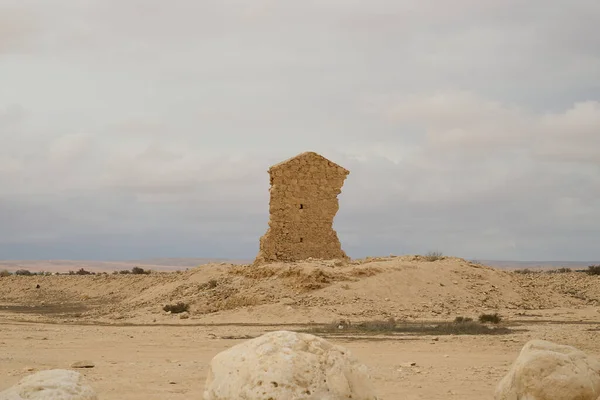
[(549, 371), (53, 384), (286, 365)]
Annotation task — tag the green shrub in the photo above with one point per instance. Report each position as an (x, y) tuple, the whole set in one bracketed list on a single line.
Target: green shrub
[(23, 272)]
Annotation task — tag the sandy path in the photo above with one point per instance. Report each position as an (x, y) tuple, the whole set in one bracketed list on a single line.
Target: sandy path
[(135, 363)]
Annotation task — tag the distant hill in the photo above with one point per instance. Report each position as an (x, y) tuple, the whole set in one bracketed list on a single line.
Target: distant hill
[(538, 264), (185, 262), (156, 264)]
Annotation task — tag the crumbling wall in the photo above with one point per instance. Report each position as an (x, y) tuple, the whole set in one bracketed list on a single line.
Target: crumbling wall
[(302, 207)]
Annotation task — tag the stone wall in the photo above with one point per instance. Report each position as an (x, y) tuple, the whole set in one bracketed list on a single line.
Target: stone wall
[(302, 207)]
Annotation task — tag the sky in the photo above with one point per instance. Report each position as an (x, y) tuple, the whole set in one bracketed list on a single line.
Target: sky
[(145, 128)]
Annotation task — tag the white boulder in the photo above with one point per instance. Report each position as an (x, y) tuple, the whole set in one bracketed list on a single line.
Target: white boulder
[(549, 371), (285, 365), (53, 384)]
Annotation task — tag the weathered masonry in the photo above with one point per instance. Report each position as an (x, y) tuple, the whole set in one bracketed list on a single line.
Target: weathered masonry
[(302, 207)]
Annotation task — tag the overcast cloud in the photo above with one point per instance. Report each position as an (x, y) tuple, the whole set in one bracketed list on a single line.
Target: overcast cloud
[(143, 128)]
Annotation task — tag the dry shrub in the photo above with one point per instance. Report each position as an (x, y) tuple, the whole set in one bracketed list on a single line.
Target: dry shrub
[(434, 256), (4, 272), (563, 270), (593, 270), (81, 271), (24, 272), (211, 284), (493, 318), (176, 308), (525, 271)]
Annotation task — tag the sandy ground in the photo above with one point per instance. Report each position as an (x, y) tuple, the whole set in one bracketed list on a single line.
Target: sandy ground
[(140, 352)]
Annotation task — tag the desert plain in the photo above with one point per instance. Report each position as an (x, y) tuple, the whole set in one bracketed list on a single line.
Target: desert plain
[(396, 314)]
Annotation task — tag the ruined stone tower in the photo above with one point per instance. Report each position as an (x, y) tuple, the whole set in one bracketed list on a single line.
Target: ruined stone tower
[(303, 204)]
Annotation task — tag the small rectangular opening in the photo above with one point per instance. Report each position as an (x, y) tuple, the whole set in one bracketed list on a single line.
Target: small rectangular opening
[(301, 240), (301, 206)]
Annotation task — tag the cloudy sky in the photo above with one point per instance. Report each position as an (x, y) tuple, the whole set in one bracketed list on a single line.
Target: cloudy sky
[(144, 128)]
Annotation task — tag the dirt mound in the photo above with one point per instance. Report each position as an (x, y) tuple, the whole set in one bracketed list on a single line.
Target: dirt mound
[(399, 287)]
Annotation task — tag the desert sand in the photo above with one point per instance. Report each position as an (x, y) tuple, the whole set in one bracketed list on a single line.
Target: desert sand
[(139, 351)]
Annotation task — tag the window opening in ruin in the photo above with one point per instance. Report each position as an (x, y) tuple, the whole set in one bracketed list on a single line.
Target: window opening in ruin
[(301, 239), (301, 206)]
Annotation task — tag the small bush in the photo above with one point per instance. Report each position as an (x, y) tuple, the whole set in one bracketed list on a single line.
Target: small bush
[(23, 272), (139, 271), (83, 272), (434, 256), (563, 270), (124, 272), (493, 318), (593, 270), (176, 308), (5, 273)]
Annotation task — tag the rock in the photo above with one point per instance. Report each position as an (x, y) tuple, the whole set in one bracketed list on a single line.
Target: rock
[(83, 364), (54, 384), (549, 371), (184, 315), (287, 365)]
